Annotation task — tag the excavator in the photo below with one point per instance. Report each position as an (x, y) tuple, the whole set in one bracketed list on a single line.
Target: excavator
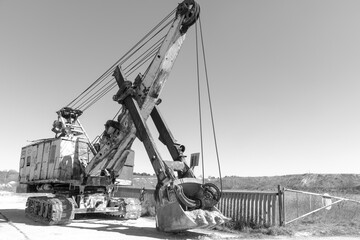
[(85, 176)]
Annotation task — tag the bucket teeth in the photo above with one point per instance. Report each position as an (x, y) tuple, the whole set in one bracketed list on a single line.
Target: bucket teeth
[(207, 218), (173, 218), (187, 204)]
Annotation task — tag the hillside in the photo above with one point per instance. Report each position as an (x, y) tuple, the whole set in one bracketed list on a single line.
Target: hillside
[(307, 182), (349, 183)]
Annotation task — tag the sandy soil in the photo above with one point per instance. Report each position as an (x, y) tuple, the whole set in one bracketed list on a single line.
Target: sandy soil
[(15, 226)]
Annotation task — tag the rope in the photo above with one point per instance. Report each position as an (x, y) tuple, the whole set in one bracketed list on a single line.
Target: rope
[(149, 54), (94, 97), (83, 104), (99, 95), (155, 46), (199, 102), (140, 63), (210, 104), (146, 56), (102, 92)]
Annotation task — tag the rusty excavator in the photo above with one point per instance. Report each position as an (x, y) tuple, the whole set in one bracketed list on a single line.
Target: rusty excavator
[(84, 176)]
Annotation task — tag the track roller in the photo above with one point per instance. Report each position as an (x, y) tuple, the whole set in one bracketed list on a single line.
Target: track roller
[(50, 210)]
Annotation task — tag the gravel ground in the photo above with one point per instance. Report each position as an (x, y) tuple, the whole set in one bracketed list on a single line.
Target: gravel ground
[(15, 226)]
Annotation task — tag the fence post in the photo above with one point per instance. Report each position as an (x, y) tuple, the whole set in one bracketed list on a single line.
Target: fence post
[(281, 206)]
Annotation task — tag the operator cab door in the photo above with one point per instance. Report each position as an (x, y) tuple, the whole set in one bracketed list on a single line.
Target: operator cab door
[(22, 166), (53, 156), (45, 160), (28, 162), (37, 162)]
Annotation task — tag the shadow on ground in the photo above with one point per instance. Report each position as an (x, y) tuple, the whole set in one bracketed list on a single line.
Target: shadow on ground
[(17, 216), (143, 227)]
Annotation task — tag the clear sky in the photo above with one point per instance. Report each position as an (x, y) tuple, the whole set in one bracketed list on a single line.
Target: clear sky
[(284, 78)]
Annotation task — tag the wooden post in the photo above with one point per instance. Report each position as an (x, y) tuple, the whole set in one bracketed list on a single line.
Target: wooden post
[(234, 205), (281, 206), (242, 207), (273, 210), (252, 210), (261, 218), (227, 206), (248, 210), (269, 209), (257, 209), (238, 207), (265, 199)]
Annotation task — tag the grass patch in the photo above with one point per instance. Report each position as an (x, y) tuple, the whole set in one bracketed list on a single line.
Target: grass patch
[(345, 212), (254, 230)]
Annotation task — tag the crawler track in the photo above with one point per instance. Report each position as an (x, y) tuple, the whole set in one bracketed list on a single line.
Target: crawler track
[(50, 210)]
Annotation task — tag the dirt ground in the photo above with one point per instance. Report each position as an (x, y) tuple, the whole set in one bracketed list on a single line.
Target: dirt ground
[(15, 226)]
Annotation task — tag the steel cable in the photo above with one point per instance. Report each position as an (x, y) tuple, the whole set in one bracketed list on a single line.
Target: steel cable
[(94, 95), (199, 102), (210, 104), (85, 102), (108, 72), (102, 92), (99, 95), (154, 46)]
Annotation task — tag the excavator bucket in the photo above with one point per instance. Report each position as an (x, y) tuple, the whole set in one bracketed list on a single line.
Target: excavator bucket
[(187, 204)]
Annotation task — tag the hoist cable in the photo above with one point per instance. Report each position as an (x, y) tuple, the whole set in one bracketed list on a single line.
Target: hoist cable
[(154, 46), (146, 58), (84, 94), (128, 52), (210, 104), (159, 31), (199, 102), (100, 92), (94, 95), (85, 102), (100, 95), (105, 91), (120, 62), (144, 61), (107, 73)]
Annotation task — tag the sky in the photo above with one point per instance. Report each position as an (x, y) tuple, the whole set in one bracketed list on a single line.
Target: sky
[(284, 79)]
